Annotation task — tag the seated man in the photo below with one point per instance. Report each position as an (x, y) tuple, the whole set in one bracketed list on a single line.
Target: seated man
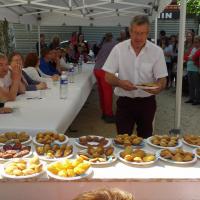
[(9, 80), (46, 67), (29, 84)]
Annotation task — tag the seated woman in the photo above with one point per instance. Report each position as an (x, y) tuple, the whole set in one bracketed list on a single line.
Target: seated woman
[(26, 81), (46, 67), (31, 67)]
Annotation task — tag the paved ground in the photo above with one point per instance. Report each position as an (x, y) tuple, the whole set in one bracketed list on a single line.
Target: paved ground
[(89, 119)]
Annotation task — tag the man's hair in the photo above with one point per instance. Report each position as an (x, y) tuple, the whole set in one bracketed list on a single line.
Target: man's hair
[(44, 52), (108, 36), (162, 33), (140, 20), (3, 56), (15, 54), (105, 194)]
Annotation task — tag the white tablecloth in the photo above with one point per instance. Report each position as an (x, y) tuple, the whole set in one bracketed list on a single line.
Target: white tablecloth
[(50, 112), (161, 181)]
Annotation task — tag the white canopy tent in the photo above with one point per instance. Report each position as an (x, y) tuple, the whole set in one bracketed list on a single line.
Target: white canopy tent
[(78, 12), (96, 13)]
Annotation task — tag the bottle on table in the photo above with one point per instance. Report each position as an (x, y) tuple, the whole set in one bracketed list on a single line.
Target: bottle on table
[(71, 73), (80, 63), (63, 85)]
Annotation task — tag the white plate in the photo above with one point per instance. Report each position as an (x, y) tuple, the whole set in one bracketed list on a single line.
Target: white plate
[(21, 177), (141, 145), (148, 140), (87, 173), (11, 159), (191, 145), (146, 87), (55, 142), (25, 142), (92, 143), (110, 161), (138, 163), (176, 162), (195, 152)]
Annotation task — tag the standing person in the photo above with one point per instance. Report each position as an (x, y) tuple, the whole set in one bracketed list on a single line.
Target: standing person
[(105, 89), (136, 61), (167, 49), (43, 45), (174, 58), (122, 36), (55, 43), (162, 36), (188, 41), (193, 74)]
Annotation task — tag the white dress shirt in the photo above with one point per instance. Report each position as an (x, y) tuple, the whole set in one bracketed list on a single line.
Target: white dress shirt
[(6, 81), (147, 67)]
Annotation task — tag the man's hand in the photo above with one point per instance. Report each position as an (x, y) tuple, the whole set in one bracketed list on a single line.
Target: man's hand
[(55, 77), (126, 85), (161, 83), (5, 110), (41, 86), (16, 71)]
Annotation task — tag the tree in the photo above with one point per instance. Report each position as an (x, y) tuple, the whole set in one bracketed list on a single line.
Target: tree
[(193, 7)]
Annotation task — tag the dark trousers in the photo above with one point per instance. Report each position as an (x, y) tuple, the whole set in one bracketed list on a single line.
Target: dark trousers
[(131, 111), (105, 92), (194, 86)]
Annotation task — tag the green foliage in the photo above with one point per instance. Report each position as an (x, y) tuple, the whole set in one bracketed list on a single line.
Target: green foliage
[(193, 7), (7, 40)]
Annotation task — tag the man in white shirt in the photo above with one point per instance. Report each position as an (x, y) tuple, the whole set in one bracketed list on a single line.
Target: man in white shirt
[(9, 80), (137, 61)]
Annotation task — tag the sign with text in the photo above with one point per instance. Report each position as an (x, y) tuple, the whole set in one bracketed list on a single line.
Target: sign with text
[(170, 12)]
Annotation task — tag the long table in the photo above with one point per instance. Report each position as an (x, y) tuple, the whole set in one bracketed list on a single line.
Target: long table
[(160, 181), (48, 111)]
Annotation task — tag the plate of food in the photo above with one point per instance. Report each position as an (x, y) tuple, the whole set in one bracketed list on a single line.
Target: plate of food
[(177, 156), (49, 137), (137, 157), (191, 140), (69, 169), (147, 86), (8, 137), (92, 140), (23, 168), (54, 152), (123, 140), (164, 141), (98, 155), (12, 151)]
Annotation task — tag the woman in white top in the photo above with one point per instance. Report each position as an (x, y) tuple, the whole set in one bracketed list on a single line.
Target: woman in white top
[(31, 67)]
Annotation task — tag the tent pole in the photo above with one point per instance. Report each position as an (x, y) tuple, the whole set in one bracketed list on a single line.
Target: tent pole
[(180, 65), (39, 50), (156, 29)]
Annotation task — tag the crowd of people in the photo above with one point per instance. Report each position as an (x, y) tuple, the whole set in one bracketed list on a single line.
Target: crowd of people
[(19, 74), (191, 80)]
